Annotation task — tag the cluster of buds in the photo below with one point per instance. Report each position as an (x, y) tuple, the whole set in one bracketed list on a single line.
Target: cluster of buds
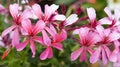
[(49, 29)]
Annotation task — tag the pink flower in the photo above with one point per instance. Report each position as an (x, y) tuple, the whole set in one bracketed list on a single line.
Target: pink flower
[(112, 19), (17, 15), (54, 42), (49, 14), (3, 11), (92, 16), (31, 32), (17, 18), (87, 39), (107, 36)]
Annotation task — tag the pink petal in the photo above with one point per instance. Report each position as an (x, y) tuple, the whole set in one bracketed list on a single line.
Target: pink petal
[(59, 17), (100, 30), (37, 10), (83, 32), (46, 38), (14, 11), (8, 30), (107, 50), (22, 45), (91, 13), (40, 25), (117, 14), (51, 32), (2, 44), (104, 58), (15, 38), (95, 56), (49, 10), (57, 46), (107, 32), (38, 39), (53, 8), (45, 54), (113, 56), (92, 38), (61, 37), (118, 57), (108, 12), (32, 46), (96, 38), (114, 36), (83, 56), (91, 51), (76, 31), (53, 28), (27, 26), (76, 54), (3, 11), (105, 21), (116, 43), (23, 31), (26, 14), (50, 55), (71, 19)]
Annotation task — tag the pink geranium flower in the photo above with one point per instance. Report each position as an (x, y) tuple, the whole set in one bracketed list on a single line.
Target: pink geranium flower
[(16, 25), (55, 42), (112, 19), (31, 32), (49, 14), (107, 36), (92, 16), (87, 39)]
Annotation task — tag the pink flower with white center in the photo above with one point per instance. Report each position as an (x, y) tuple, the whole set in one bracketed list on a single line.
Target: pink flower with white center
[(107, 36), (87, 39), (92, 16), (112, 19), (57, 38), (16, 26), (32, 31), (49, 14)]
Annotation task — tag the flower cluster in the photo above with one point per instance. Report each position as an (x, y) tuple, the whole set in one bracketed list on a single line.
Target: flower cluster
[(46, 30), (98, 38)]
